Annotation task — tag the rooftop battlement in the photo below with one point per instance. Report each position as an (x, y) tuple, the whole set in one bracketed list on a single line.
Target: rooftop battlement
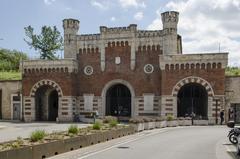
[(87, 37), (130, 28), (149, 33), (67, 65)]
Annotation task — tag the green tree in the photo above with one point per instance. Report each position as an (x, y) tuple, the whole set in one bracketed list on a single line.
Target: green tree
[(232, 71), (10, 59), (47, 43)]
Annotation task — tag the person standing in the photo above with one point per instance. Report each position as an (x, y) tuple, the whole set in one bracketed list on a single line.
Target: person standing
[(222, 116)]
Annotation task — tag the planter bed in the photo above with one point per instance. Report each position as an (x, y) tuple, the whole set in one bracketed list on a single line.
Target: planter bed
[(149, 125), (138, 126), (51, 147), (172, 123)]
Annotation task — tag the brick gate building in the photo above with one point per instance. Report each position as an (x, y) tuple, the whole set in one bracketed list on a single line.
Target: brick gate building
[(126, 72)]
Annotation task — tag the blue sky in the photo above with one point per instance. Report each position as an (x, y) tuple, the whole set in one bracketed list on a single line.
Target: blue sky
[(203, 24)]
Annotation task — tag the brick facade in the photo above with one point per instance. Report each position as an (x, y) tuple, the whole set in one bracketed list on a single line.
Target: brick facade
[(149, 63)]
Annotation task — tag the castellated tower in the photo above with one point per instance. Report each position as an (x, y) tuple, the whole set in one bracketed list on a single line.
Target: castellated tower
[(70, 27), (170, 21)]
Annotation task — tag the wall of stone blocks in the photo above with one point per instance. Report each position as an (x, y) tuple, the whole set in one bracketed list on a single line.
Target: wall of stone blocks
[(8, 88)]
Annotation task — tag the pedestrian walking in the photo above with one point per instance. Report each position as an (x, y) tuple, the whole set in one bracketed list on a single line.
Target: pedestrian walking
[(222, 116)]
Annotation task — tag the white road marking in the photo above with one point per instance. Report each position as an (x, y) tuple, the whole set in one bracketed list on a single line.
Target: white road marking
[(120, 143)]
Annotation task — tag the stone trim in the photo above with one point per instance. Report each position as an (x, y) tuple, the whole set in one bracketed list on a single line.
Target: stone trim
[(193, 61), (45, 66), (48, 83), (193, 79)]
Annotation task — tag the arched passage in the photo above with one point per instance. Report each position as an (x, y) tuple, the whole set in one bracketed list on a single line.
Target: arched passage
[(116, 82), (118, 101), (46, 94), (199, 82), (192, 98), (46, 104), (53, 106)]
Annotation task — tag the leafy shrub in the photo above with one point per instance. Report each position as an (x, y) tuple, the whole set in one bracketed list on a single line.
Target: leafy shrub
[(73, 129), (169, 118), (108, 119), (113, 123), (97, 125), (37, 135)]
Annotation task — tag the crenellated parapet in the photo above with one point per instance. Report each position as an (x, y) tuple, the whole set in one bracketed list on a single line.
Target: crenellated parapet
[(149, 48), (88, 37), (149, 33), (193, 61), (88, 50), (116, 30), (47, 66)]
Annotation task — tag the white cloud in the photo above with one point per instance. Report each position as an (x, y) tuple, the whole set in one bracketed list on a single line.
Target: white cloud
[(206, 23), (113, 19), (132, 3), (138, 16), (102, 5), (49, 2)]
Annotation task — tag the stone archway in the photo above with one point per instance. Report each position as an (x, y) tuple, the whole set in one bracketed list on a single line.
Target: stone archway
[(48, 83), (113, 83), (193, 79), (199, 82), (46, 94)]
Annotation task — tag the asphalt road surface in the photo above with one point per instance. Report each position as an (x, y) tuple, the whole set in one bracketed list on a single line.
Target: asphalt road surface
[(197, 142)]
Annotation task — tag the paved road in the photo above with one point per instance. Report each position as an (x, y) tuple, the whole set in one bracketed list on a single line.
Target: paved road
[(207, 142), (10, 130)]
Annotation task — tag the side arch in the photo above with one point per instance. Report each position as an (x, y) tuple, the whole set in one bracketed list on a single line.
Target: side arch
[(46, 82), (193, 79)]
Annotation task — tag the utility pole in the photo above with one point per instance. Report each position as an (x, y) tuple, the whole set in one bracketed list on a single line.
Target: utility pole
[(219, 47)]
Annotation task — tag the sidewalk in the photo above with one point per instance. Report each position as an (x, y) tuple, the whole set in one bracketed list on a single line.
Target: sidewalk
[(226, 150), (10, 130)]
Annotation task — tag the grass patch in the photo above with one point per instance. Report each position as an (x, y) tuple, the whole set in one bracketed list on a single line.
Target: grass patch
[(113, 123), (97, 125), (12, 75), (37, 135), (73, 129)]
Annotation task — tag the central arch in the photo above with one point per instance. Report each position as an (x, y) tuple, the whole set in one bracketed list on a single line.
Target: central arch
[(114, 85), (118, 101)]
